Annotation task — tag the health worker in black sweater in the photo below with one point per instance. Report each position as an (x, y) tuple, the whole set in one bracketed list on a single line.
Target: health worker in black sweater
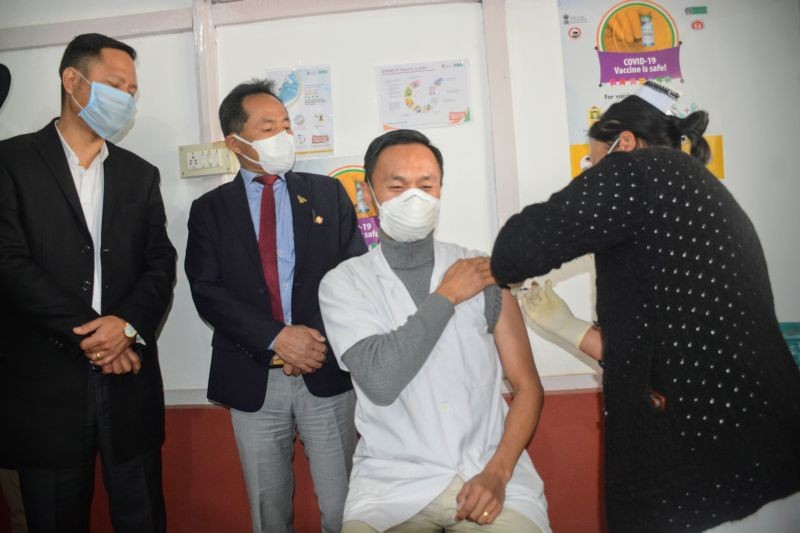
[(701, 395)]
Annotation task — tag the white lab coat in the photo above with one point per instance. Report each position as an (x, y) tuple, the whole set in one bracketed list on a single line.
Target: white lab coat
[(448, 420)]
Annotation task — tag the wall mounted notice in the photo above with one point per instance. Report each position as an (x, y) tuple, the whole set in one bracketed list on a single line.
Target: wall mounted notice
[(611, 48), (424, 95), (350, 172), (306, 93)]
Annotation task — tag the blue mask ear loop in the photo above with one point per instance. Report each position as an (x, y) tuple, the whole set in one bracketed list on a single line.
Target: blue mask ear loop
[(90, 94)]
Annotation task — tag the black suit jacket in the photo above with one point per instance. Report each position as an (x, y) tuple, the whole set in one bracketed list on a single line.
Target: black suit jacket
[(46, 276), (228, 287)]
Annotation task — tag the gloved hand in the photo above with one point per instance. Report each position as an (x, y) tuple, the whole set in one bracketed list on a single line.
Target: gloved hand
[(623, 33), (548, 311)]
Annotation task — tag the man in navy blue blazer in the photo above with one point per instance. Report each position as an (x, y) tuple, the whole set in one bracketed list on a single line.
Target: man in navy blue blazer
[(257, 250)]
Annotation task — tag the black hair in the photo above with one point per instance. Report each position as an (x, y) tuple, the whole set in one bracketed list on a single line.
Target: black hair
[(395, 137), (86, 48), (232, 115), (648, 123)]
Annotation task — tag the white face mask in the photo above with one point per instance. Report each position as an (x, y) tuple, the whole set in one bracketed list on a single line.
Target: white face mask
[(275, 154), (410, 216)]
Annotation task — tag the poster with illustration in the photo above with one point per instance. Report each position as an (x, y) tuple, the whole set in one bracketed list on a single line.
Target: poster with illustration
[(612, 48), (306, 93), (423, 95), (350, 172)]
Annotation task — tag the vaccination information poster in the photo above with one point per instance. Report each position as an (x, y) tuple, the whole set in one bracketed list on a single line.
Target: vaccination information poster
[(611, 48), (350, 172), (423, 95), (306, 93)]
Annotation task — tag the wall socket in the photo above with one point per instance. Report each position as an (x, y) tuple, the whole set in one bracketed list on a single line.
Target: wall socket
[(206, 160)]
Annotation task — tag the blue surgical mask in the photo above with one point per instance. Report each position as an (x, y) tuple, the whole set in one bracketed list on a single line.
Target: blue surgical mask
[(109, 111)]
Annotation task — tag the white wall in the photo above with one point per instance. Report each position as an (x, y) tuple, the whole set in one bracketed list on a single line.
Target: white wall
[(354, 44)]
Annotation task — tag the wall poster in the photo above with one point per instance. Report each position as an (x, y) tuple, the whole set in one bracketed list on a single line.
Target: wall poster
[(611, 48)]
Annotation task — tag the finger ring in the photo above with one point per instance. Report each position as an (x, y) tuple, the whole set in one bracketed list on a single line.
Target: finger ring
[(486, 513), (97, 356)]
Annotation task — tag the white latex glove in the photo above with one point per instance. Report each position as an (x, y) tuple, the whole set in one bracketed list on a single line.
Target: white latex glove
[(518, 288), (548, 311)]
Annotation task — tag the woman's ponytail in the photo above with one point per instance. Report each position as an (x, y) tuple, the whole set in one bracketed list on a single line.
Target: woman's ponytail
[(693, 127)]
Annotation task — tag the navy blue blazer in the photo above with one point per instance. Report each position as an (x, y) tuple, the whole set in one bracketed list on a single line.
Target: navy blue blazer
[(229, 291)]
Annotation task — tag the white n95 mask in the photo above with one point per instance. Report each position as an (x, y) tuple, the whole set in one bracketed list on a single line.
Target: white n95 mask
[(410, 216), (275, 154)]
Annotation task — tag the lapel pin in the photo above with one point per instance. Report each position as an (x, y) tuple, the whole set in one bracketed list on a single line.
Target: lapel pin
[(318, 219), (301, 200)]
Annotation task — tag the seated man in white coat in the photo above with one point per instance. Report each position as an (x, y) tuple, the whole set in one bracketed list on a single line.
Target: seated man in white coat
[(427, 337)]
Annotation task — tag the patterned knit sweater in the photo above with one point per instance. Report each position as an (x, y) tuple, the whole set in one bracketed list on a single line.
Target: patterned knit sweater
[(702, 397)]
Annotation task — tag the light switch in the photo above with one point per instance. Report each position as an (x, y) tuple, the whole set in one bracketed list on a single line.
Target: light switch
[(206, 160)]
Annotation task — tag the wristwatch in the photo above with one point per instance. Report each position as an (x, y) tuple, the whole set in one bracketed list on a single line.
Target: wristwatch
[(129, 331)]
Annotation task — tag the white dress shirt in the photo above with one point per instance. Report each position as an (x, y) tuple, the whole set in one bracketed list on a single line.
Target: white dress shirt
[(89, 184)]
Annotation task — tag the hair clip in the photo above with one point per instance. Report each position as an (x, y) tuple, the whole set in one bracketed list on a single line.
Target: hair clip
[(659, 96)]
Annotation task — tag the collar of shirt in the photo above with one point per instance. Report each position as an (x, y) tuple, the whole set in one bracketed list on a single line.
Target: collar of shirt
[(72, 158), (249, 177)]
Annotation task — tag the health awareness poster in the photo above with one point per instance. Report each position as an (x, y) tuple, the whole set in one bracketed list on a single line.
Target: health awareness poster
[(350, 172), (611, 48), (306, 93), (423, 95)]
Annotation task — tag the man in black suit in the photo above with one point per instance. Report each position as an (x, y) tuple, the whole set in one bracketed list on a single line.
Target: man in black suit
[(86, 275), (257, 250)]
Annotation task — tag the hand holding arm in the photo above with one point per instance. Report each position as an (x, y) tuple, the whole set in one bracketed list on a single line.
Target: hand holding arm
[(465, 278)]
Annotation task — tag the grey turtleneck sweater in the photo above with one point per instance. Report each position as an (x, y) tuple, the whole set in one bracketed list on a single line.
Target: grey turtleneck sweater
[(383, 365)]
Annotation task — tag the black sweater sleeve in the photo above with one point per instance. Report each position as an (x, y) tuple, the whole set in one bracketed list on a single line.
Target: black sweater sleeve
[(596, 211)]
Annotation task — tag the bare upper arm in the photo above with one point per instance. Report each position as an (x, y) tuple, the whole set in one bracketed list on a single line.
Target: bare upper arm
[(514, 347)]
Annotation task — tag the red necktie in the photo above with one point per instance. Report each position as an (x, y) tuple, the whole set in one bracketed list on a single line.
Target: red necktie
[(267, 245)]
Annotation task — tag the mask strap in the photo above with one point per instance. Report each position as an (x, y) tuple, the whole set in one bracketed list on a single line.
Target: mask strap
[(73, 96), (76, 102), (372, 191), (235, 136), (87, 80), (613, 145)]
